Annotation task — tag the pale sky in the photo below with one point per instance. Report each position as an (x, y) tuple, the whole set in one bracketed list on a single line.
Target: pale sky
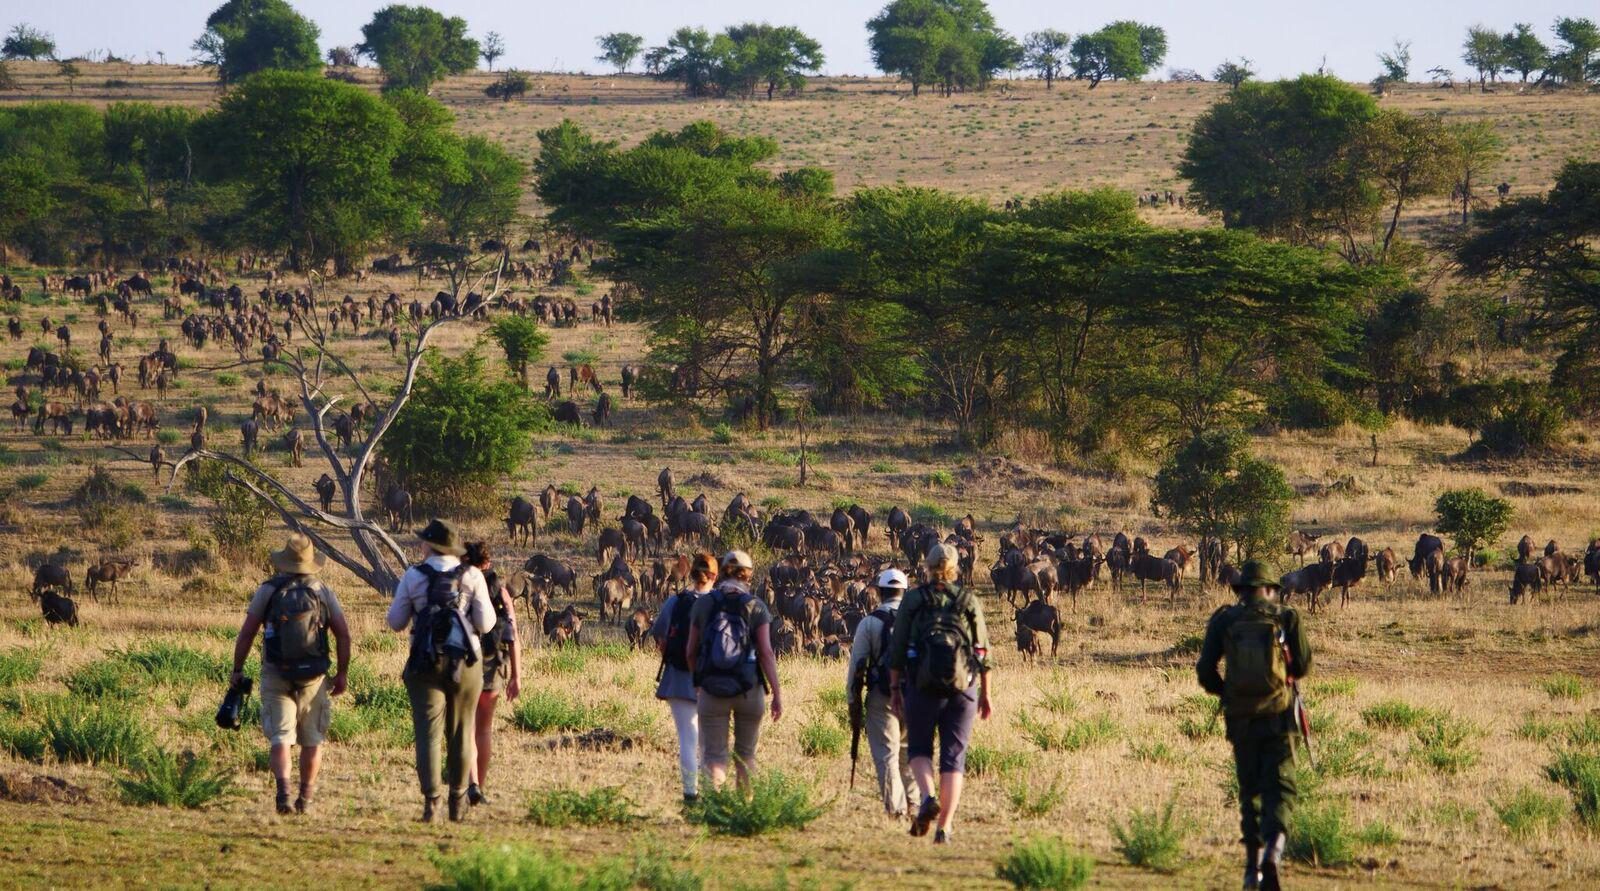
[(1282, 37)]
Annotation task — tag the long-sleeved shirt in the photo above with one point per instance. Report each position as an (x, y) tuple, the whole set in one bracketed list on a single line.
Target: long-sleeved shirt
[(411, 595), (866, 649), (1211, 650), (916, 614)]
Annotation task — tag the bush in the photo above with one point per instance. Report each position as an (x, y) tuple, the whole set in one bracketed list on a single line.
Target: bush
[(1045, 863), (19, 665), (227, 379), (775, 801), (23, 741), (542, 711), (170, 780), (1472, 518), (522, 341), (508, 86), (1530, 812), (1443, 743), (30, 481), (1392, 714), (1579, 774), (1528, 421), (557, 808), (722, 434), (822, 738), (1378, 834), (506, 868), (1151, 839), (104, 733), (1563, 686), (1321, 835), (1029, 798)]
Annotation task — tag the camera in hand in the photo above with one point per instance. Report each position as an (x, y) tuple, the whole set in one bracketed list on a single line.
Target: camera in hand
[(230, 713)]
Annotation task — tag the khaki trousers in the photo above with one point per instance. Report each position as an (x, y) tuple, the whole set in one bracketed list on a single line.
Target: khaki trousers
[(886, 739), (442, 711)]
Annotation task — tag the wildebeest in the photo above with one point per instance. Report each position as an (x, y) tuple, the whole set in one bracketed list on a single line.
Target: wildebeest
[(664, 485), (1300, 543), (1454, 577), (1042, 617), (567, 413), (1524, 548), (1028, 642), (1525, 578), (1388, 566), (630, 376), (1309, 580), (610, 542), (615, 597), (51, 577), (106, 572), (1349, 570), (58, 609), (397, 506), (550, 572), (522, 518), (552, 383), (326, 488), (602, 410), (1591, 563), (577, 515), (566, 626), (249, 433), (638, 628), (1149, 568)]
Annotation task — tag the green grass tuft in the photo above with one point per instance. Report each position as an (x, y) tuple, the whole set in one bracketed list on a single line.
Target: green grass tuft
[(102, 733), (1529, 812), (822, 737), (1029, 798), (103, 680), (166, 663), (1321, 836), (1378, 834), (19, 665), (1563, 686), (1392, 714), (557, 808), (543, 711), (161, 778), (1045, 863), (775, 801), (1579, 773), (985, 761), (1444, 743), (1151, 839)]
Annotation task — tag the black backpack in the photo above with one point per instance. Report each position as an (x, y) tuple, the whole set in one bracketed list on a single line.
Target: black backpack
[(727, 660), (942, 660), (296, 640), (676, 642), (440, 639), (878, 671), (496, 644)]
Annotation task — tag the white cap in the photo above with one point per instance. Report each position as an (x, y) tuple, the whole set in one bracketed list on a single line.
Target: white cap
[(893, 578), (737, 559)]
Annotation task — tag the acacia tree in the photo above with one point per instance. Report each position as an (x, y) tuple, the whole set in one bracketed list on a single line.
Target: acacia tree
[(494, 46), (952, 42), (24, 41), (1212, 487), (1525, 52), (619, 48), (1485, 51), (1123, 50), (243, 37), (416, 46), (1045, 53), (1233, 73), (752, 55)]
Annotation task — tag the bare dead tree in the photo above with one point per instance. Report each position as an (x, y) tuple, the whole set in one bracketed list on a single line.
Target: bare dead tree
[(370, 554)]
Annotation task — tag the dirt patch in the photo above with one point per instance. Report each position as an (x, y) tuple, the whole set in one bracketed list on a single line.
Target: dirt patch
[(1521, 489), (1005, 472), (600, 739), (706, 480), (25, 789)]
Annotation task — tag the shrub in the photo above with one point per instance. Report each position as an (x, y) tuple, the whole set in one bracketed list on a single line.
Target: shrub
[(557, 808), (820, 738), (104, 733), (1044, 863), (940, 479), (227, 379), (722, 434), (1029, 798), (775, 801), (168, 780), (24, 741), (1392, 714), (985, 761), (1584, 732), (1472, 518), (507, 868), (1579, 774), (508, 85), (1321, 835), (1563, 686), (542, 711), (522, 341), (1378, 834), (1533, 422), (30, 481), (105, 679), (19, 665), (1530, 812), (1443, 743), (1151, 839)]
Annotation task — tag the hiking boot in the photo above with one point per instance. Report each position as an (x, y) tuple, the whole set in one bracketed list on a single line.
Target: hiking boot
[(941, 837), (456, 802), (690, 799), (302, 805), (1252, 867), (429, 805), (283, 803), (1271, 858), (475, 795), (925, 817)]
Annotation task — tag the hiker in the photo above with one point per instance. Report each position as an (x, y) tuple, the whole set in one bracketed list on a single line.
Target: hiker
[(939, 680), (869, 654), (502, 665), (730, 646), (675, 680), (1266, 650), (294, 612), (446, 604)]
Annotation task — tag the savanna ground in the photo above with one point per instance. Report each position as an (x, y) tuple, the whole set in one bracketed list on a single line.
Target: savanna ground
[(1111, 724)]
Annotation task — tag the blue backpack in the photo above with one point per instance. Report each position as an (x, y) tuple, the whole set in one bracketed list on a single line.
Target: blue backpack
[(726, 666)]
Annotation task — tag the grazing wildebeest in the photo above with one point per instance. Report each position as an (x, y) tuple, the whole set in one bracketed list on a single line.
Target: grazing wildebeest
[(863, 520), (630, 376), (552, 573), (552, 383), (842, 524), (1349, 570), (1332, 552), (1300, 543), (1075, 575), (397, 506), (897, 522), (1426, 544), (50, 577), (577, 515), (1041, 616), (602, 410), (547, 501), (1525, 578), (567, 413), (58, 609), (522, 518), (1591, 563), (564, 627), (1454, 577), (326, 488), (1388, 566), (610, 542), (1028, 642), (638, 627), (615, 597)]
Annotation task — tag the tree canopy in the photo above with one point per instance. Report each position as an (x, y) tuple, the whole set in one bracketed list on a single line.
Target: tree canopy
[(24, 41), (1123, 50), (1045, 53), (1214, 488), (736, 62), (619, 48), (417, 46), (243, 37), (952, 43)]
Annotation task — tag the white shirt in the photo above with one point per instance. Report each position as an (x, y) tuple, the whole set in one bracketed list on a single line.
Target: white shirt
[(867, 640), (411, 595)]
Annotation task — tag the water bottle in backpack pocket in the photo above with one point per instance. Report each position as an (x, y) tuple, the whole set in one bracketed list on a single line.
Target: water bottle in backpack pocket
[(295, 637), (726, 666)]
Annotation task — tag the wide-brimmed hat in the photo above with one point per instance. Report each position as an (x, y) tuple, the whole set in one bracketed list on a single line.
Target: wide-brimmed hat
[(737, 559), (442, 536), (1253, 575), (298, 557)]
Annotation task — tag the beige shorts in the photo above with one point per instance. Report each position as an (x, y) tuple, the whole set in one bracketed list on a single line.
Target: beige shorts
[(294, 712)]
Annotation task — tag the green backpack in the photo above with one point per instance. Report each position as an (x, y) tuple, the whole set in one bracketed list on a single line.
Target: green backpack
[(1256, 682), (941, 654), (296, 643)]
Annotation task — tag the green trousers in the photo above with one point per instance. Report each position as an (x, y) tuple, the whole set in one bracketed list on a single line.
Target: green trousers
[(442, 711), (1263, 755)]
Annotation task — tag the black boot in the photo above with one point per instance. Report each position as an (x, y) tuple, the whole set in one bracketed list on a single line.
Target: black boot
[(1271, 859), (1252, 866), (429, 805), (457, 806)]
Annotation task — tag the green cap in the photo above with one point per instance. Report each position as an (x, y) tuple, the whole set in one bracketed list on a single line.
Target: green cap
[(1253, 575)]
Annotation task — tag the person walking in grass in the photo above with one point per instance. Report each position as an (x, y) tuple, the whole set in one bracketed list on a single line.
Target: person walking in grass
[(730, 646), (675, 680), (938, 682), (294, 611), (502, 666), (1266, 650), (446, 605), (869, 667)]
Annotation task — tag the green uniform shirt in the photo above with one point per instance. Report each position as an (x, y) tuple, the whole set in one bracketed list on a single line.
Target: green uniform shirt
[(916, 615), (1294, 636)]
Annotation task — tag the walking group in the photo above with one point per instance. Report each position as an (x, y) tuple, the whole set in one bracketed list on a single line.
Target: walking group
[(918, 671)]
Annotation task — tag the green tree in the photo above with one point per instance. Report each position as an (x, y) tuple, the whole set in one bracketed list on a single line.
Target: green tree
[(522, 341), (1212, 487), (24, 41), (619, 48), (476, 200), (509, 85), (1575, 59), (1397, 62), (1473, 518), (1485, 52), (1408, 157), (69, 70), (1234, 73), (494, 46), (955, 43), (315, 158), (752, 55), (1276, 157), (461, 430), (688, 57), (417, 46), (1045, 53), (1525, 52), (246, 36), (1123, 50), (1477, 149)]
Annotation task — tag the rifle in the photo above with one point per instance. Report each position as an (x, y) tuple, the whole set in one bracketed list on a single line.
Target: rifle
[(858, 709), (1302, 716)]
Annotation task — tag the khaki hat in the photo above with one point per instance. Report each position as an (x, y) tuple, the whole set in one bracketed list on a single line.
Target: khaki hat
[(298, 557), (737, 559), (442, 536), (1253, 575), (940, 557)]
